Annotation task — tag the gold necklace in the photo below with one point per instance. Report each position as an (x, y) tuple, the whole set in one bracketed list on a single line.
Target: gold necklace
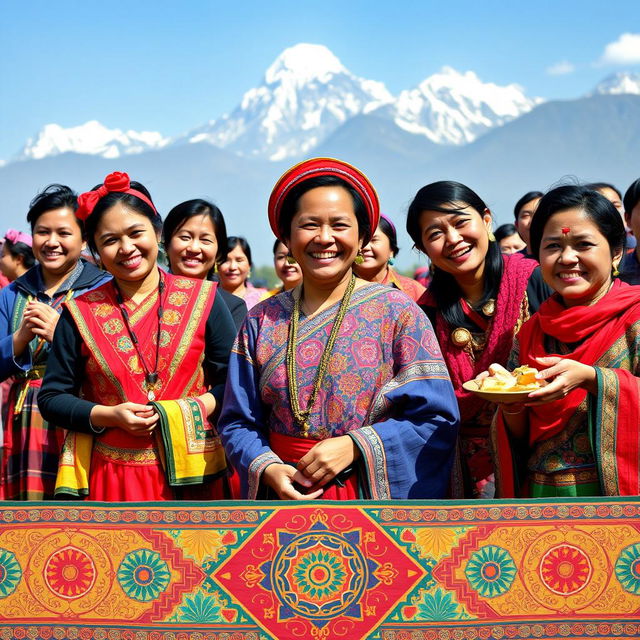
[(302, 417)]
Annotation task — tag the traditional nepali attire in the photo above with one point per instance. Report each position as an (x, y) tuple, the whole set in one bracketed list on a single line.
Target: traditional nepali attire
[(474, 477), (410, 286), (582, 444), (32, 445), (386, 386), (94, 361)]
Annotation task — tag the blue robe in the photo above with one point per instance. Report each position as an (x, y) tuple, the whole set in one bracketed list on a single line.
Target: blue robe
[(386, 386)]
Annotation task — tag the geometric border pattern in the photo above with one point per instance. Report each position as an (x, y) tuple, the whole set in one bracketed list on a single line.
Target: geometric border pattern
[(410, 570)]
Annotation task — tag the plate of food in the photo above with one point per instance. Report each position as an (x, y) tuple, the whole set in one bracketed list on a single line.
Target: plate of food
[(506, 387)]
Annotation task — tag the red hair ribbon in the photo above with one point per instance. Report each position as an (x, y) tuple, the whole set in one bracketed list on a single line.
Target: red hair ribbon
[(117, 181), (565, 230), (324, 167)]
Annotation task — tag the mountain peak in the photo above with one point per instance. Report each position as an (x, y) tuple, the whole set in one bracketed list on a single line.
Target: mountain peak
[(91, 138), (304, 62), (453, 107), (617, 83), (306, 95)]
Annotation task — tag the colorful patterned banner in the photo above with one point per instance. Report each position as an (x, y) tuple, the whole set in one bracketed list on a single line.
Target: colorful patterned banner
[(380, 570)]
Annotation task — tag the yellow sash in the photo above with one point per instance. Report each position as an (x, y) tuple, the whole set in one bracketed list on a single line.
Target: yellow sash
[(192, 449), (192, 452), (75, 460)]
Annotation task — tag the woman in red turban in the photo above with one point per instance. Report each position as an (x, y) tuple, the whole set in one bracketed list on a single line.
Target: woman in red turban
[(336, 388)]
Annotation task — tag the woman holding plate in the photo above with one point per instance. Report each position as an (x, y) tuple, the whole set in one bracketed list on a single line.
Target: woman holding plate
[(577, 435)]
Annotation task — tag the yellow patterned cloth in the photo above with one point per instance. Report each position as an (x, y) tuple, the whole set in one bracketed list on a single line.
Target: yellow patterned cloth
[(75, 461), (189, 446), (193, 452)]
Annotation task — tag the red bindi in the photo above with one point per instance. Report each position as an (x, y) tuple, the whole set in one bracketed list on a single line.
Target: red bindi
[(565, 230)]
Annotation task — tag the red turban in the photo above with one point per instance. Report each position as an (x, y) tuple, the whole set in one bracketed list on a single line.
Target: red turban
[(324, 167)]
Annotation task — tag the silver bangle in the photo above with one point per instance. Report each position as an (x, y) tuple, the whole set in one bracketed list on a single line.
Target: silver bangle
[(95, 430)]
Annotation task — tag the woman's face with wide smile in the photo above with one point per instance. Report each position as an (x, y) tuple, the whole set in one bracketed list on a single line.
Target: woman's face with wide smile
[(324, 234), (575, 258), (127, 243), (456, 242)]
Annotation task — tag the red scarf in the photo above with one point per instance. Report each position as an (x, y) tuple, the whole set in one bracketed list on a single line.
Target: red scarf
[(597, 327), (513, 285)]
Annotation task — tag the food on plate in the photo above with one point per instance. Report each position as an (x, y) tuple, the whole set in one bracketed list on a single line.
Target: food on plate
[(520, 379)]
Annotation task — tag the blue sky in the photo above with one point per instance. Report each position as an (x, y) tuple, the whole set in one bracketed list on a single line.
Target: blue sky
[(170, 66)]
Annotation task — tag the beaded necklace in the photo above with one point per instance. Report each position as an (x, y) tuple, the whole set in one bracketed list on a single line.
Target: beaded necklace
[(302, 417), (150, 384)]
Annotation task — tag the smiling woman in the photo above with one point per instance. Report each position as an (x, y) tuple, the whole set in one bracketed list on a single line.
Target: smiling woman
[(138, 338), (29, 312), (379, 255), (286, 268), (578, 435), (195, 239), (337, 387), (477, 300), (235, 269)]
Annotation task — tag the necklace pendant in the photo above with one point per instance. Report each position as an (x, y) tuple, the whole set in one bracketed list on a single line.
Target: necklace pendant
[(151, 378), (151, 396), (461, 337), (489, 308)]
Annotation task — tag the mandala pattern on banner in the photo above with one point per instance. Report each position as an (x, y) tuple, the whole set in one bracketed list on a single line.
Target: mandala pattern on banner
[(354, 570)]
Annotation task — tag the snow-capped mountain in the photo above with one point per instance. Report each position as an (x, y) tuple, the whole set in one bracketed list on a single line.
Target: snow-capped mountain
[(306, 94), (617, 83), (450, 107), (91, 138)]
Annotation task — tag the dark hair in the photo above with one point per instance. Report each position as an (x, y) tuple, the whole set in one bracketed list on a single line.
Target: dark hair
[(596, 207), (390, 232), (599, 186), (128, 200), (189, 209), (275, 245), (20, 250), (55, 196), (290, 204), (631, 197), (505, 231), (526, 199), (238, 241), (444, 287)]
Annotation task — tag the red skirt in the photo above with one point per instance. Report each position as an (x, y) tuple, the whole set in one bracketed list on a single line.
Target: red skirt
[(290, 450), (127, 468)]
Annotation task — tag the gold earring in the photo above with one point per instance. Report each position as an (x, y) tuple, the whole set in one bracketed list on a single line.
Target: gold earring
[(492, 238), (291, 260), (615, 271), (359, 259)]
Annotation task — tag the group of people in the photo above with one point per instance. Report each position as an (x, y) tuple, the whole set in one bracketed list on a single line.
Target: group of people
[(133, 380)]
